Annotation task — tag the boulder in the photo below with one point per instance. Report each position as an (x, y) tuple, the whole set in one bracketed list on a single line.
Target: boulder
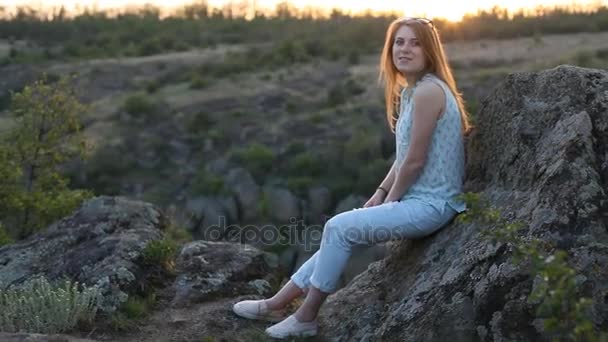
[(319, 199), (100, 244), (208, 270), (247, 192), (540, 154), (283, 206)]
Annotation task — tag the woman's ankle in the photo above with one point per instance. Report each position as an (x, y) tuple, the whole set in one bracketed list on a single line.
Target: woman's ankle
[(273, 304)]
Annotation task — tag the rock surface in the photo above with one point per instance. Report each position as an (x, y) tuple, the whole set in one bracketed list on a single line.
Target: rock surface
[(24, 337), (539, 153), (208, 270), (100, 244)]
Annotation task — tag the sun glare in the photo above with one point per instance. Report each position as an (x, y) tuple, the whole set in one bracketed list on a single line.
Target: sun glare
[(447, 9)]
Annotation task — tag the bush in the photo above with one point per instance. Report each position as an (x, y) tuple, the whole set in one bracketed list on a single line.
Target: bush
[(5, 238), (584, 58), (300, 185), (160, 252), (305, 164), (137, 307), (205, 183), (38, 307), (258, 159), (201, 122), (138, 105), (197, 81)]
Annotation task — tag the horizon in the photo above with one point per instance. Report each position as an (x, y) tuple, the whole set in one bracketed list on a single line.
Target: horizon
[(435, 9)]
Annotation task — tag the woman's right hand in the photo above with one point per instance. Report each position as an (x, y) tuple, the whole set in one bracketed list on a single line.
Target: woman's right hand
[(376, 199)]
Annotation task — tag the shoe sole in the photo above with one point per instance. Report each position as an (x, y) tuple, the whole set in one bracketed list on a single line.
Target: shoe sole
[(257, 317)]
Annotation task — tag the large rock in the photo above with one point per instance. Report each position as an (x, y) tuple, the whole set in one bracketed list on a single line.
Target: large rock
[(208, 270), (100, 244), (319, 199), (539, 153), (209, 217), (247, 192), (284, 206)]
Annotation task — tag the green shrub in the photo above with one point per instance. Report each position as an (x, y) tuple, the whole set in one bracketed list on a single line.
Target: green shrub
[(300, 185), (5, 237), (160, 252), (305, 164), (138, 105), (39, 307), (152, 86), (584, 58), (336, 95), (197, 81), (602, 53), (137, 307), (206, 183), (258, 159)]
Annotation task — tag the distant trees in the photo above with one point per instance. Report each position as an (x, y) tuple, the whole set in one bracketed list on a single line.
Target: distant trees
[(147, 30), (43, 134)]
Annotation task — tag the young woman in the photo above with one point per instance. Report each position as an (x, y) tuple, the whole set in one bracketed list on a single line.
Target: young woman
[(417, 197)]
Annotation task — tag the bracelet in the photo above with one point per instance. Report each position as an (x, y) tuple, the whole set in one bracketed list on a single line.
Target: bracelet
[(383, 189)]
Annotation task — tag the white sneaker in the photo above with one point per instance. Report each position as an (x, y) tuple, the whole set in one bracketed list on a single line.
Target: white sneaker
[(257, 309), (290, 326)]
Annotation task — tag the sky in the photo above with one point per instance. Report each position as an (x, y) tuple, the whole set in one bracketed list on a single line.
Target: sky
[(450, 9)]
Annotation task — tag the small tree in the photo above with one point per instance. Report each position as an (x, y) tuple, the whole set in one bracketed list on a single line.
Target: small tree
[(45, 133)]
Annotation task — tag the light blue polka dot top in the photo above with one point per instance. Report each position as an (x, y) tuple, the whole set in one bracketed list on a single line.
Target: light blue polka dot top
[(441, 178)]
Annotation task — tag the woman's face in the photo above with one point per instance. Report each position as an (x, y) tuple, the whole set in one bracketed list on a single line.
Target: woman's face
[(408, 55)]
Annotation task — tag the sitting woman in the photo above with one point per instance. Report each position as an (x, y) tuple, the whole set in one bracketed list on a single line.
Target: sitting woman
[(419, 194)]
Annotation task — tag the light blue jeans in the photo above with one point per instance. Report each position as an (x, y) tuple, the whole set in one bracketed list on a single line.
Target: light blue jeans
[(405, 219)]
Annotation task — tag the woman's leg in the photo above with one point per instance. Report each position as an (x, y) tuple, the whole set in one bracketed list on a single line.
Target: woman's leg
[(297, 285), (396, 220), (286, 295)]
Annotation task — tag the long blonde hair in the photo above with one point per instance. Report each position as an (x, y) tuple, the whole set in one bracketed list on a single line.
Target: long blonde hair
[(436, 63)]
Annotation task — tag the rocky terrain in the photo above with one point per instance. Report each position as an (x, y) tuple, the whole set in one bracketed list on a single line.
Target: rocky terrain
[(538, 152)]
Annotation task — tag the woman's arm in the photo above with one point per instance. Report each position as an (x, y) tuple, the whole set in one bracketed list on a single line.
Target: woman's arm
[(388, 181), (428, 104)]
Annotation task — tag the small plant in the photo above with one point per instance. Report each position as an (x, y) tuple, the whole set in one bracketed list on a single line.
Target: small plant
[(137, 307), (305, 164), (39, 307), (139, 105), (300, 185), (198, 82), (206, 183), (152, 87), (584, 58), (161, 252), (5, 237), (258, 159)]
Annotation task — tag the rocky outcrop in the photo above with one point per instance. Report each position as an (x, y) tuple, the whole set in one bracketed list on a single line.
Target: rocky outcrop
[(283, 205), (100, 244), (247, 192), (540, 153), (208, 270)]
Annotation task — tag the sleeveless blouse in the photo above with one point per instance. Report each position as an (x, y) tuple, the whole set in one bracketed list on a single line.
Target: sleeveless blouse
[(440, 181)]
